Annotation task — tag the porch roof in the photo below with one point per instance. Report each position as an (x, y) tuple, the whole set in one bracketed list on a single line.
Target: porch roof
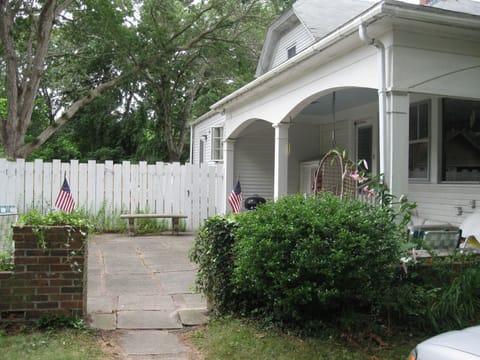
[(386, 10)]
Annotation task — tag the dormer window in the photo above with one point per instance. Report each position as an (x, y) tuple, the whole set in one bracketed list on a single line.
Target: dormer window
[(291, 51)]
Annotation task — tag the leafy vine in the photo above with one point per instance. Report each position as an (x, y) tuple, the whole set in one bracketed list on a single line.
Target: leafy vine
[(73, 222)]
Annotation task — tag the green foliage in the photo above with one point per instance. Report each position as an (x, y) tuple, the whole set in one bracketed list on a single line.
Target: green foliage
[(6, 256), (74, 221), (310, 263), (213, 252), (54, 218), (105, 220), (459, 304), (59, 147), (174, 59), (6, 261), (301, 260), (145, 226), (436, 295), (60, 321)]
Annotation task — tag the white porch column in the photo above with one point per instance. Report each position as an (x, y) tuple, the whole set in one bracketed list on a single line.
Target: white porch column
[(228, 171), (396, 164), (281, 160)]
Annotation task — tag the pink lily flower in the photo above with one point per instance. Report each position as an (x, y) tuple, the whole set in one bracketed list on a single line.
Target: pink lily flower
[(365, 164), (370, 192), (357, 177)]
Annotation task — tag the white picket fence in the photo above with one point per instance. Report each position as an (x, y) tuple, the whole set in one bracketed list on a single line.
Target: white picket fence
[(192, 190)]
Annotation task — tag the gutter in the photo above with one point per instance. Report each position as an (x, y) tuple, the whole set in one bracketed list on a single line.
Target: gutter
[(382, 92), (335, 36)]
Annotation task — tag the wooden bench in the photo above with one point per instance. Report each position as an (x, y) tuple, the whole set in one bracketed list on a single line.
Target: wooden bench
[(131, 220)]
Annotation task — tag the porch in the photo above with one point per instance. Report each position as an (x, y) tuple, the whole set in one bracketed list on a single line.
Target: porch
[(409, 105)]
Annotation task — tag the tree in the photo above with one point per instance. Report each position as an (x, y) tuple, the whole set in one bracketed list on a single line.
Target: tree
[(205, 48), (26, 31), (177, 54)]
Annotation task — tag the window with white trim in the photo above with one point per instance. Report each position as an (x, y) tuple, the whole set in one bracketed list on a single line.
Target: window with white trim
[(216, 145), (419, 144)]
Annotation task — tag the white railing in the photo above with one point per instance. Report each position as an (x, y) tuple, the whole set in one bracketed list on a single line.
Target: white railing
[(192, 190)]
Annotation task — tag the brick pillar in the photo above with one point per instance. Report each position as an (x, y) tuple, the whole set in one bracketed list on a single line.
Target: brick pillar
[(46, 279)]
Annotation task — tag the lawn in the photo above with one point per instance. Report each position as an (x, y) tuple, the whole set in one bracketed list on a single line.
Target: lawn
[(236, 339), (222, 339), (51, 345)]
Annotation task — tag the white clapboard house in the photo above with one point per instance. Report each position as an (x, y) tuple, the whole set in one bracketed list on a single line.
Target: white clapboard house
[(395, 83)]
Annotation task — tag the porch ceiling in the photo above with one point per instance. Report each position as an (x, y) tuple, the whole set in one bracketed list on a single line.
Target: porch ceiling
[(344, 99)]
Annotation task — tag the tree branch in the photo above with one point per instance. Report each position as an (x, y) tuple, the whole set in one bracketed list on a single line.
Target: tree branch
[(199, 15), (60, 8), (26, 149)]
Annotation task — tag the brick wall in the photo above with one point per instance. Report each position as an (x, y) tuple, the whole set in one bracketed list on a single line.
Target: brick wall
[(46, 280)]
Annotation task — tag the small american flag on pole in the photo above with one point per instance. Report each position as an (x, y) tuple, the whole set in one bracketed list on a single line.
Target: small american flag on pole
[(65, 200), (235, 198)]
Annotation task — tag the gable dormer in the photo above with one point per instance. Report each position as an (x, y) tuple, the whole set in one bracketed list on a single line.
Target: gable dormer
[(286, 37), (304, 24)]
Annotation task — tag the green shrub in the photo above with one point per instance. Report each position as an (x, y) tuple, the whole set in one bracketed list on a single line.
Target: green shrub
[(307, 259), (310, 262), (213, 252)]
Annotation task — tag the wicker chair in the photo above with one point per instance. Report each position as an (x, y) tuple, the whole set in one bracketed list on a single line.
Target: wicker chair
[(333, 175)]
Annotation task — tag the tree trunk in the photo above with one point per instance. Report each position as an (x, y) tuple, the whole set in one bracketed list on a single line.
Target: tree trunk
[(23, 78)]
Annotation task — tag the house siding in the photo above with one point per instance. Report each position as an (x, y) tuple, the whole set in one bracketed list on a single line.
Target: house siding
[(298, 36), (204, 129), (254, 164), (439, 201)]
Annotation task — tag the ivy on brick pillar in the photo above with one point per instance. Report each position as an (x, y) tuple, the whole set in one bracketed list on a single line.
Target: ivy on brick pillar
[(46, 279)]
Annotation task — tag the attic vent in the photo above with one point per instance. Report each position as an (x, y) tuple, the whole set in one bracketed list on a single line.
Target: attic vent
[(291, 51)]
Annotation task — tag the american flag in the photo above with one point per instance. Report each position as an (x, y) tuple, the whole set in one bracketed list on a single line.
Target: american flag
[(65, 200), (235, 198)]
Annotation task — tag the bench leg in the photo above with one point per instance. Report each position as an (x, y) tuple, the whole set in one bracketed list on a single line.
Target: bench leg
[(175, 226), (131, 226)]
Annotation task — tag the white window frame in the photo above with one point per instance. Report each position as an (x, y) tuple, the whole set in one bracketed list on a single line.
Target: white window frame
[(216, 148), (426, 140)]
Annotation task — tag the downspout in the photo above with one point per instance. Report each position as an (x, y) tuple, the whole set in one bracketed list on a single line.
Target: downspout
[(382, 94)]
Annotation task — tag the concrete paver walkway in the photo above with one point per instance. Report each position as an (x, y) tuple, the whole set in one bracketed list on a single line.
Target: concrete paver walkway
[(143, 288)]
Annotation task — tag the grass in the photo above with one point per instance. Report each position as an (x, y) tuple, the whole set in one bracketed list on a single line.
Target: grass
[(237, 339), (51, 345)]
